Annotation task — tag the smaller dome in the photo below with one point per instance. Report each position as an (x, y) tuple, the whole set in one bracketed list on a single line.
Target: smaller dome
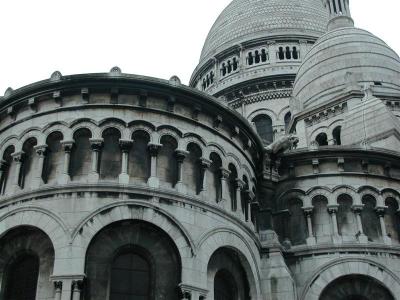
[(345, 57)]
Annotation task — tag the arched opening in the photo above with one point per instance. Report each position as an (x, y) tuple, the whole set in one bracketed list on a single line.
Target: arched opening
[(295, 53), (134, 264), (81, 155), (392, 219), (370, 220), (131, 275), (288, 53), (213, 177), (29, 162), (321, 219), (229, 67), (281, 54), (232, 181), (244, 195), (356, 287), (54, 162), (264, 128), (337, 135), (223, 69), (235, 64), (297, 222), (287, 119), (257, 57), (22, 277), (166, 161), (110, 159), (27, 259), (192, 170), (227, 277), (322, 139), (8, 170), (224, 286), (347, 222), (139, 158), (263, 55), (250, 59)]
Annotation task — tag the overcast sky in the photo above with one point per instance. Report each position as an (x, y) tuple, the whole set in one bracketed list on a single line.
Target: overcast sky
[(157, 38)]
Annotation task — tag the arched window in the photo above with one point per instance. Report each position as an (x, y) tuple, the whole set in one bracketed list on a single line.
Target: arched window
[(321, 219), (235, 64), (322, 139), (288, 53), (257, 56), (250, 59), (297, 222), (223, 69), (281, 54), (130, 277), (8, 170), (54, 162), (287, 119), (28, 163), (191, 169), (392, 219), (347, 222), (264, 128), (295, 53), (21, 278), (229, 67), (213, 177), (370, 220), (224, 286), (111, 159), (233, 176), (166, 162), (81, 156), (263, 55), (139, 158), (337, 135)]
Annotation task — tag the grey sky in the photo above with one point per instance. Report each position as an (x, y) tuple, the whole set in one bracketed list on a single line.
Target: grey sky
[(157, 38)]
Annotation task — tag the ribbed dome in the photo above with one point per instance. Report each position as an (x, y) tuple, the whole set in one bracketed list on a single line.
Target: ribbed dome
[(345, 57), (244, 20)]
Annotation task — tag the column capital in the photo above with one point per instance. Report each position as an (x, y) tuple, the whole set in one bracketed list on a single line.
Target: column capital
[(154, 148), (189, 291), (125, 145), (225, 173), (380, 210), (96, 144), (240, 184), (40, 149), (308, 210), (3, 164), (58, 285), (333, 208), (181, 155), (357, 208), (205, 163), (67, 145), (18, 156)]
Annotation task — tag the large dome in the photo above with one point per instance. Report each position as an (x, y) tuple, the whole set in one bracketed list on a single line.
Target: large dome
[(345, 57), (244, 20)]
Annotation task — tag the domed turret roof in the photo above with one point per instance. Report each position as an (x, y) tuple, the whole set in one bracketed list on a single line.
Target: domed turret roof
[(345, 57), (244, 20)]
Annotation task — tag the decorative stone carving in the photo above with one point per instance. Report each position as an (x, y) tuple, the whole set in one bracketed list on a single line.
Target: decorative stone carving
[(56, 76)]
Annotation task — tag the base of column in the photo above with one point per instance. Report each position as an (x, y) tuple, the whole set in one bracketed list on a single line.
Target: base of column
[(387, 240), (336, 239), (93, 177), (37, 183), (311, 241), (123, 178), (64, 179), (362, 238), (16, 188), (181, 187), (153, 182)]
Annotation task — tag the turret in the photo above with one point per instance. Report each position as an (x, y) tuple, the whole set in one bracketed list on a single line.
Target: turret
[(339, 14)]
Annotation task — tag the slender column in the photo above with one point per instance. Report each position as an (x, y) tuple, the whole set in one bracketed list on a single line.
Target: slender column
[(332, 210), (357, 209), (239, 185), (153, 181), (204, 165), (126, 146), (58, 290), (3, 169), (180, 156), (18, 158), (76, 289), (250, 200), (308, 211), (41, 152), (67, 146), (380, 210), (224, 189), (96, 145)]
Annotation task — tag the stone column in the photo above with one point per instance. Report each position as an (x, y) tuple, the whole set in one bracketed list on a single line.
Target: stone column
[(357, 209), (180, 156), (57, 290), (126, 146), (38, 179), (17, 158), (153, 181), (332, 210), (190, 292), (95, 145), (308, 211), (380, 210), (204, 165), (67, 146), (224, 189), (239, 185), (76, 289), (3, 169)]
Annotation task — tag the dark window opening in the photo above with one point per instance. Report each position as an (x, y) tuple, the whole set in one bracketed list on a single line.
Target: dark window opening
[(212, 77), (295, 53), (263, 55), (235, 64), (322, 139), (287, 120), (334, 7), (229, 67), (21, 278), (223, 69), (264, 128), (337, 135), (340, 6), (257, 56), (224, 286), (288, 54), (377, 83), (250, 58), (281, 54)]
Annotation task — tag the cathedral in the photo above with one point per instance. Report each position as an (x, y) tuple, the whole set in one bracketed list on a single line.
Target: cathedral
[(275, 175)]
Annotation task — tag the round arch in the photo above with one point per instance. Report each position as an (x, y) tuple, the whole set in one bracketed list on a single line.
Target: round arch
[(350, 266)]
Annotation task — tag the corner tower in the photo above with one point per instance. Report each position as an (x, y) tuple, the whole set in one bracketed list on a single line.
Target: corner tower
[(252, 54)]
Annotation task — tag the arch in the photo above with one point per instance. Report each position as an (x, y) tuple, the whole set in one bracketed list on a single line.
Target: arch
[(320, 191), (264, 128), (369, 218), (32, 133), (28, 168), (347, 223), (321, 220), (349, 266), (167, 161), (110, 155), (263, 111), (54, 160), (220, 151), (9, 141), (9, 170), (191, 170), (81, 154), (88, 124), (297, 231), (392, 219), (283, 198), (218, 238), (132, 210), (337, 135), (232, 182), (168, 130), (142, 124), (112, 122), (348, 190), (58, 127), (322, 139), (139, 157), (192, 137), (213, 177)]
